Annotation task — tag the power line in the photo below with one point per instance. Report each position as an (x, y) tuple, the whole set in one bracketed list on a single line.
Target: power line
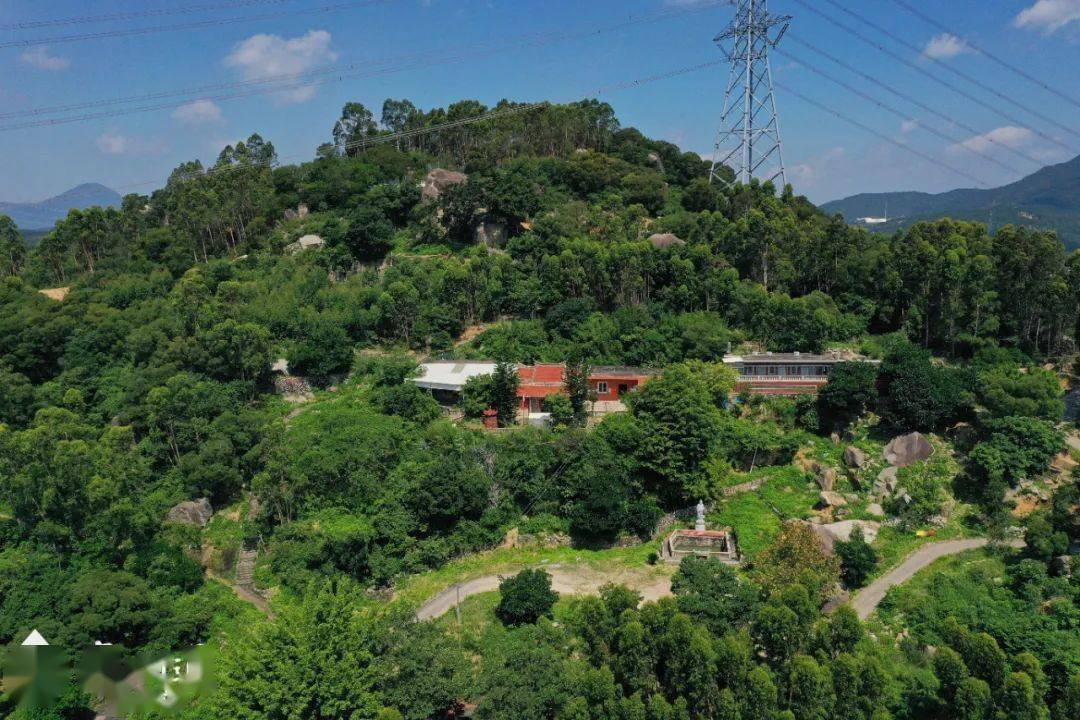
[(882, 136), (137, 14), (517, 109), (926, 73), (955, 71), (490, 115), (914, 101), (958, 142), (986, 53), (127, 32), (393, 64)]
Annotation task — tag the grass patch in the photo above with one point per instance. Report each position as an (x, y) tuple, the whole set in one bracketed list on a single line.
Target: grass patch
[(757, 516), (416, 589)]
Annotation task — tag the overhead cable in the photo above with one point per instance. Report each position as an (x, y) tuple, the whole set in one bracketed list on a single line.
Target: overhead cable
[(1024, 107), (489, 115), (887, 87), (987, 54), (136, 14), (937, 79), (194, 25), (293, 81), (956, 141), (892, 141)]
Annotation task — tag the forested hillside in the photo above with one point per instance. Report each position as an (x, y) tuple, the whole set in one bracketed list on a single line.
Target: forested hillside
[(144, 380), (1046, 199)]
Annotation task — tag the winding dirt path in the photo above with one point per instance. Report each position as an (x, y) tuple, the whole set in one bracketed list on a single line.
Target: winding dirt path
[(564, 580), (245, 594), (871, 596), (588, 581)]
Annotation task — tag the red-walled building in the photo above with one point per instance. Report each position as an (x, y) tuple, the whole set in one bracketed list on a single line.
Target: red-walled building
[(608, 385)]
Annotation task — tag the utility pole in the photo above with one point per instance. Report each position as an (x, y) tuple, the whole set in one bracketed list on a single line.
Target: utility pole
[(748, 140)]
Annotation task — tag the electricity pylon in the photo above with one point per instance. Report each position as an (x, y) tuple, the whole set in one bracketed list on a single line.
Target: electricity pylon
[(749, 137)]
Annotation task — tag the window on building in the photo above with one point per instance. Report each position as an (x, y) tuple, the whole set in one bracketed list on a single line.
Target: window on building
[(602, 388), (772, 370), (821, 370), (793, 370)]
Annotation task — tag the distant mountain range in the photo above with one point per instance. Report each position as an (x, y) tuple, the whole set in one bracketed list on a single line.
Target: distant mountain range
[(35, 218), (1047, 199)]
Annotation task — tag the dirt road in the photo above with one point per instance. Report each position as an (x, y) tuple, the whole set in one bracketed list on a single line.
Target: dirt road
[(587, 581), (564, 580), (870, 597)]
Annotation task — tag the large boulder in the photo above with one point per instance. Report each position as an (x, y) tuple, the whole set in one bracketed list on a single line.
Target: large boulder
[(855, 458), (439, 181), (886, 482), (663, 241), (825, 476), (842, 530), (908, 449), (308, 242), (191, 512), (831, 499)]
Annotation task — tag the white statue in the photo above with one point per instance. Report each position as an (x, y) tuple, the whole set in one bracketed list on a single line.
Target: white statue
[(699, 524)]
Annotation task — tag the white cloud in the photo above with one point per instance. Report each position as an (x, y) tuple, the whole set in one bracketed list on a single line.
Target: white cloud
[(1049, 15), (263, 55), (112, 143), (1007, 136), (198, 112), (945, 46), (39, 57), (908, 126), (809, 173)]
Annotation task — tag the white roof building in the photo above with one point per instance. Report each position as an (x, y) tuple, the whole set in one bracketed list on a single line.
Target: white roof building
[(450, 375)]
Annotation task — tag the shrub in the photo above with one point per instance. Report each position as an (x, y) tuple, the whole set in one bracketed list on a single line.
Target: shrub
[(857, 559), (526, 598), (851, 390)]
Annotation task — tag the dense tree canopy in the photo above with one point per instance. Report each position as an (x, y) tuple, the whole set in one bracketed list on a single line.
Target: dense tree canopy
[(151, 384)]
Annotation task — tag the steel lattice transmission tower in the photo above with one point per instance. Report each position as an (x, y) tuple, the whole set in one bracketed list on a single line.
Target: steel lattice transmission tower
[(749, 137)]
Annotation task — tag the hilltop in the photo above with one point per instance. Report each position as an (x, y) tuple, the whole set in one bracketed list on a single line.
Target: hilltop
[(42, 215), (1048, 199)]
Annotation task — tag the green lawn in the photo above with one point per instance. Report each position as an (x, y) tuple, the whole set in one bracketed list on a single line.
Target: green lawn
[(757, 516), (414, 590), (478, 628)]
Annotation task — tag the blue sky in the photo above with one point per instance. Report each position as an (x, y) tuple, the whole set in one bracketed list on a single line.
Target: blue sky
[(827, 158)]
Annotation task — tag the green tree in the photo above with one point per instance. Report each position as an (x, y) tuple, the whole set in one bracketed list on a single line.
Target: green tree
[(811, 693), (12, 248), (525, 597), (950, 670), (971, 700), (504, 387), (560, 409), (714, 594), (796, 556), (424, 674), (316, 661), (1005, 391), (919, 395), (368, 233), (680, 423), (576, 387), (857, 559), (356, 124), (1018, 700), (1068, 705), (324, 350), (850, 392)]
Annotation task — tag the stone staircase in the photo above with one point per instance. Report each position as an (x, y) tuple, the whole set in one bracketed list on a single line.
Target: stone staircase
[(245, 566)]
